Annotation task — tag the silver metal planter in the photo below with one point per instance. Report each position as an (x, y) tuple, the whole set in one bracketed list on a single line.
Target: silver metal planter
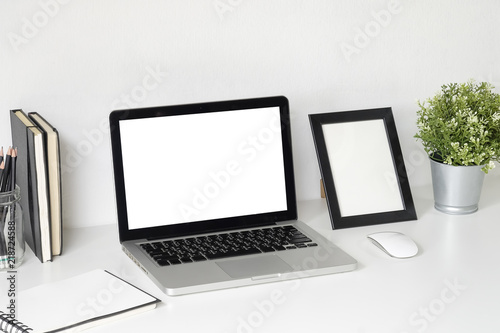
[(457, 189)]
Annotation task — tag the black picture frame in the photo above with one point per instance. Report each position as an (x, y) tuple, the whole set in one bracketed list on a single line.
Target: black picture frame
[(362, 168)]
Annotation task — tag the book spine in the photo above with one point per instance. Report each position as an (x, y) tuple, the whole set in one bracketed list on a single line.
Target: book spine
[(9, 325)]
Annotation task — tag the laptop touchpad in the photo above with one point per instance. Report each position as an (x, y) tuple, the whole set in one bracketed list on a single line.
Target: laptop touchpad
[(253, 267)]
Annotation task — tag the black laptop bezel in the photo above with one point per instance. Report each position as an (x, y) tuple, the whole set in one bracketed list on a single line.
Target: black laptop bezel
[(192, 228)]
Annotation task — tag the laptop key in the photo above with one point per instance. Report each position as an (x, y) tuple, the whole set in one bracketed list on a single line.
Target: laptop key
[(157, 245), (165, 257), (155, 252), (163, 262), (267, 249), (299, 240), (175, 261)]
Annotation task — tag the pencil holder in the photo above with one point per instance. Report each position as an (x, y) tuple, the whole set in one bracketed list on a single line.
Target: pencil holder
[(12, 244)]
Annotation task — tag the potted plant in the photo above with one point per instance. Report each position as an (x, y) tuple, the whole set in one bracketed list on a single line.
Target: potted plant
[(460, 130)]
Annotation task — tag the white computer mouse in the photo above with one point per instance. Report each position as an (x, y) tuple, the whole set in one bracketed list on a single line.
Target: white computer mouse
[(395, 244)]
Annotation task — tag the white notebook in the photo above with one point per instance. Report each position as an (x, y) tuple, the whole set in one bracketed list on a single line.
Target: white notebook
[(77, 303)]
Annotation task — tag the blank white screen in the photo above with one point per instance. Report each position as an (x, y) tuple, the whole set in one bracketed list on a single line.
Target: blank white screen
[(202, 166)]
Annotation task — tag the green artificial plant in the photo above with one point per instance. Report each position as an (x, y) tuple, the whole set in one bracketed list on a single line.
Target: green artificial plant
[(460, 125)]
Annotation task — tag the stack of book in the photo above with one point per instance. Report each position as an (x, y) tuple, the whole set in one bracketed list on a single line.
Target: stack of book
[(38, 176)]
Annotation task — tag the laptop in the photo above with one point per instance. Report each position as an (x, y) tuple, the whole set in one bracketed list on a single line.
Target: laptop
[(206, 198)]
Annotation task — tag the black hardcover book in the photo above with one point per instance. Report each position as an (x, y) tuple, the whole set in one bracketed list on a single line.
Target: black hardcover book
[(52, 153), (31, 177)]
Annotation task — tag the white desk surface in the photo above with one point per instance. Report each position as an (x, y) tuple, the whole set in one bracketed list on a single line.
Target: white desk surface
[(452, 285)]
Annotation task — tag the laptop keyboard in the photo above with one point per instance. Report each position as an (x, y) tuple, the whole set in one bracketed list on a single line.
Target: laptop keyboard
[(225, 245)]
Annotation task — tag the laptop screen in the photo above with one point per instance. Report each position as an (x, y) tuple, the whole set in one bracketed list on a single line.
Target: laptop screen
[(203, 166)]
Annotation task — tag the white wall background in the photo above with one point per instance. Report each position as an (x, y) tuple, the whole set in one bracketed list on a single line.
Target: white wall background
[(75, 61)]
